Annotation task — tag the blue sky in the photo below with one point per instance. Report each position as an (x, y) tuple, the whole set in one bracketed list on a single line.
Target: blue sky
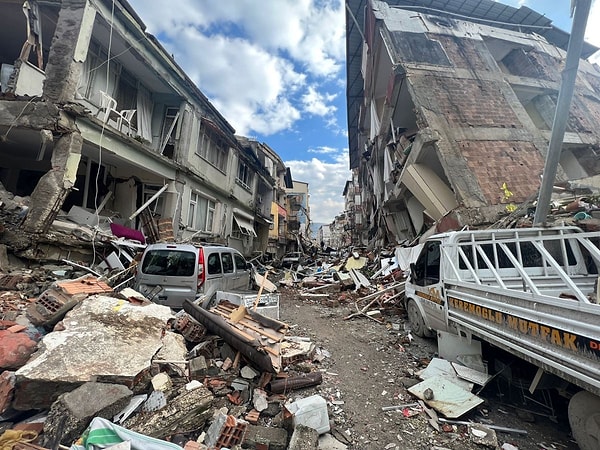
[(275, 69)]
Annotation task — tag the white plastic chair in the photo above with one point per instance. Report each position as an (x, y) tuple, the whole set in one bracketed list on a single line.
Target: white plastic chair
[(108, 105), (126, 116)]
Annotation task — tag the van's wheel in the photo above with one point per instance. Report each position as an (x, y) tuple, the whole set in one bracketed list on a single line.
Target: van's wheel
[(584, 417), (417, 324)]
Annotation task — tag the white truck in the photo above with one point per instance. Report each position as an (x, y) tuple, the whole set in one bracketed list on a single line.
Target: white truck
[(531, 291)]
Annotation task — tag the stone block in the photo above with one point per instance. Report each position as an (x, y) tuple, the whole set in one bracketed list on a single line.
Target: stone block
[(482, 435), (304, 438), (15, 349), (72, 412), (198, 368), (7, 387), (104, 339), (268, 437)]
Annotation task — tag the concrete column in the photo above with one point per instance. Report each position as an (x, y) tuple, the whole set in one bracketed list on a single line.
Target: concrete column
[(65, 61), (68, 50), (52, 189)]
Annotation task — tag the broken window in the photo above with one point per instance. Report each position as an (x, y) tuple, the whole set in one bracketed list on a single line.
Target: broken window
[(245, 175), (580, 162), (214, 264), (98, 75), (212, 147), (157, 206), (167, 137), (201, 213)]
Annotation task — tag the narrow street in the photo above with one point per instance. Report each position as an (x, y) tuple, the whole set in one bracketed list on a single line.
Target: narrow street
[(364, 371)]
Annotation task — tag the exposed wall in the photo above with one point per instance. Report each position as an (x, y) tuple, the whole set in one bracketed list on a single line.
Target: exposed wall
[(476, 104)]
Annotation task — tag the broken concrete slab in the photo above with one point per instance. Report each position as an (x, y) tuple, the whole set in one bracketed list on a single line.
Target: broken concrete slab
[(173, 351), (482, 435), (187, 409), (445, 397), (72, 412), (269, 438), (304, 438), (95, 344), (328, 442), (7, 387)]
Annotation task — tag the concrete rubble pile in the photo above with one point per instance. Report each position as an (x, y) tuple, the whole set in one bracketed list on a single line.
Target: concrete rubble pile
[(83, 356), (372, 281)]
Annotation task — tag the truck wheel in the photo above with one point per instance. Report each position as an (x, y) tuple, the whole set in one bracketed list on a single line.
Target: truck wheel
[(417, 324), (584, 417)]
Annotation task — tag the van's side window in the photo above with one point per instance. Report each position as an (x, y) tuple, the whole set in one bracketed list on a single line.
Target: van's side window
[(214, 264), (240, 262), (227, 262)]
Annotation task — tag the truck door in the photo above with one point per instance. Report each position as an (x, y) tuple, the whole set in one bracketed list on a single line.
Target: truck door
[(428, 286)]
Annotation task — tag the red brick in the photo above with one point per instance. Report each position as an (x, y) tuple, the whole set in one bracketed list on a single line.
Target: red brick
[(16, 328), (191, 445)]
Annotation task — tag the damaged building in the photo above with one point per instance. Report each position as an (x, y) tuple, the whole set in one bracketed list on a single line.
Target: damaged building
[(450, 110), (97, 119)]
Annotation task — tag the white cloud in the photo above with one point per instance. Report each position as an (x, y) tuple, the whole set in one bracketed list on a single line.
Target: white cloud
[(317, 103), (256, 77), (326, 182), (324, 150), (592, 31)]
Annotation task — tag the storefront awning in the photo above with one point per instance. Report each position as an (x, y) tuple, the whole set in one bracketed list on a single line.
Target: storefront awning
[(245, 225)]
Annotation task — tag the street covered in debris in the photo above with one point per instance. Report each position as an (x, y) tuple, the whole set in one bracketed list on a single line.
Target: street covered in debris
[(327, 345), (162, 286)]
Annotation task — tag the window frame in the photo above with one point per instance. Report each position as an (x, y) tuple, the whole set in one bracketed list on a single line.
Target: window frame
[(212, 148), (201, 206)]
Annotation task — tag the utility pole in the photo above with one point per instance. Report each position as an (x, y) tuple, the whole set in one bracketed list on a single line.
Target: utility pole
[(567, 85)]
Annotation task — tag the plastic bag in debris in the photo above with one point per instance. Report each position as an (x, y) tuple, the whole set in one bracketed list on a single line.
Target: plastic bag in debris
[(103, 434)]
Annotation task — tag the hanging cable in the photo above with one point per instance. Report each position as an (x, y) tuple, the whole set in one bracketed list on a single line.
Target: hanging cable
[(97, 178)]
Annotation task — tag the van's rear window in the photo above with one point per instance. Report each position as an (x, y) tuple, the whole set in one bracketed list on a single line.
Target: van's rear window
[(169, 262)]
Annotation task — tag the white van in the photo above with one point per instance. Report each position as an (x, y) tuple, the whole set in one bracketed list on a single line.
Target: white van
[(170, 273)]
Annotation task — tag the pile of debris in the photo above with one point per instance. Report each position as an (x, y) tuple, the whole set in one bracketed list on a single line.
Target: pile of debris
[(83, 361), (374, 282)]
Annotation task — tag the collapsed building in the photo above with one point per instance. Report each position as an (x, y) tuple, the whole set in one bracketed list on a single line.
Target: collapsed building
[(97, 118), (450, 110)]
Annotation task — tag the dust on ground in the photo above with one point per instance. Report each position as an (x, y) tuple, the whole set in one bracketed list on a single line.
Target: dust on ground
[(365, 366)]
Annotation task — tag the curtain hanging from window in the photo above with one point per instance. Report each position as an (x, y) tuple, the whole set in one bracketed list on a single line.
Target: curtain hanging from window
[(145, 105)]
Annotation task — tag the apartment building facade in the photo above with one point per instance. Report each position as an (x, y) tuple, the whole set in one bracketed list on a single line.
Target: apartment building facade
[(450, 107), (95, 113)]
